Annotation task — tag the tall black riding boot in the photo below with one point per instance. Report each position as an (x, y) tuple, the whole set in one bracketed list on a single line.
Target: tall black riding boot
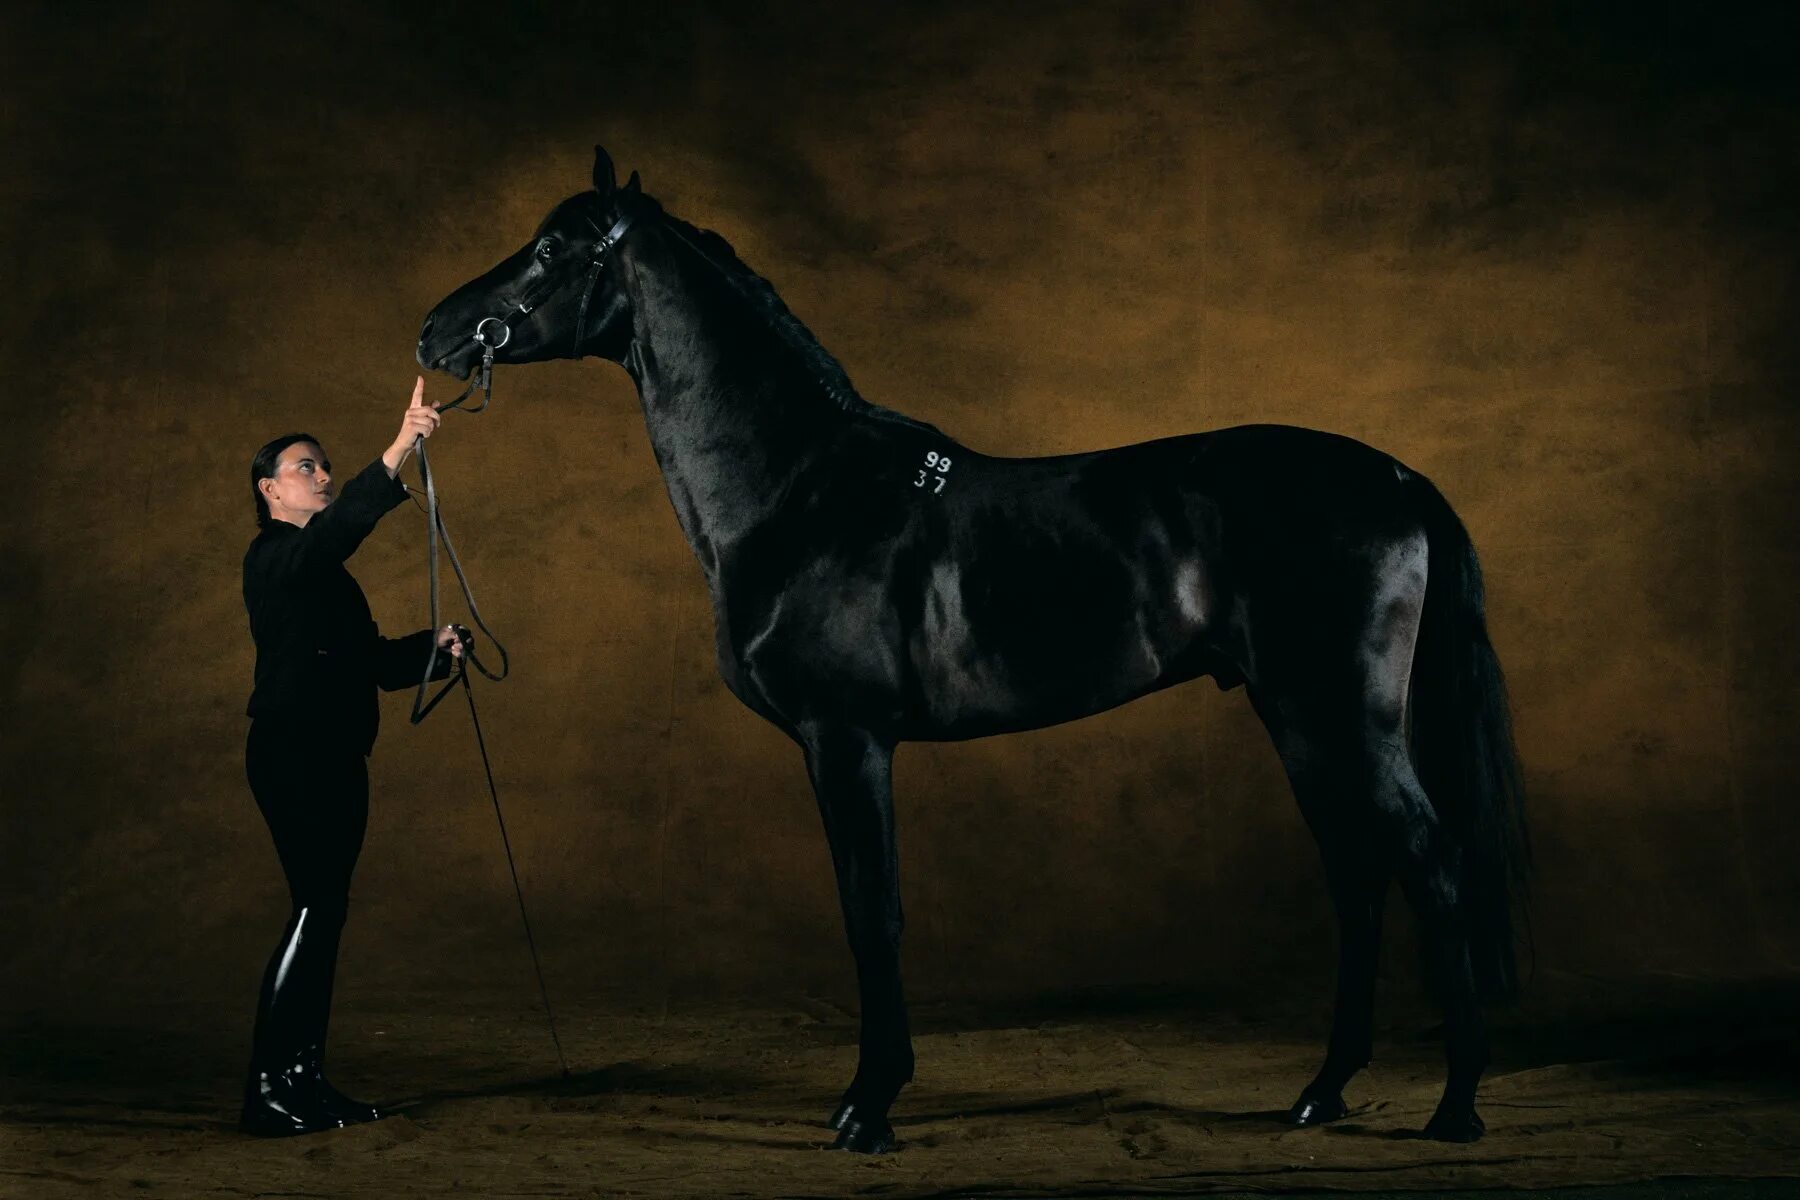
[(312, 1048), (280, 1097)]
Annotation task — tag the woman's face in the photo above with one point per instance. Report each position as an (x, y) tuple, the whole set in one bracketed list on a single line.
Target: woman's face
[(301, 485)]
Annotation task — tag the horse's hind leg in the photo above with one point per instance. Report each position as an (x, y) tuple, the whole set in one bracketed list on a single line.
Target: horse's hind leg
[(1358, 891), (1355, 783), (1333, 693), (851, 775), (1430, 876), (1333, 786)]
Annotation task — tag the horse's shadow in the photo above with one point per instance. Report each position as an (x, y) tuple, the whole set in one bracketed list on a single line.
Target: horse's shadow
[(1385, 1135), (1086, 1107)]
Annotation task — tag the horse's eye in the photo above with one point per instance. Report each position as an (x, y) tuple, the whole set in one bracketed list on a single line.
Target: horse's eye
[(546, 249)]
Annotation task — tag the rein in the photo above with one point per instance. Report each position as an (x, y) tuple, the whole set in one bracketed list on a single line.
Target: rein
[(436, 528)]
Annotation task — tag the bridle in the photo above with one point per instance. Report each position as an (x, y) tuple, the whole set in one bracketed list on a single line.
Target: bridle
[(493, 333)]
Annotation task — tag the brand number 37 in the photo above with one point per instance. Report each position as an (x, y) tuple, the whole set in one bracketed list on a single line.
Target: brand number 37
[(939, 463)]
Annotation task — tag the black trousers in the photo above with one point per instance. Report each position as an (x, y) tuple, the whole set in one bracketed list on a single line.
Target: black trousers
[(313, 792)]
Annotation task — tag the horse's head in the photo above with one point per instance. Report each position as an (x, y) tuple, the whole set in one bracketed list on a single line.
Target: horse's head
[(557, 296)]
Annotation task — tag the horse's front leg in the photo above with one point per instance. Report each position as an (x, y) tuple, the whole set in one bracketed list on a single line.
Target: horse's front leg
[(850, 771)]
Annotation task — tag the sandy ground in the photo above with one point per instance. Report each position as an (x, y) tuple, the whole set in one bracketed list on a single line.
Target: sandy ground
[(717, 1102)]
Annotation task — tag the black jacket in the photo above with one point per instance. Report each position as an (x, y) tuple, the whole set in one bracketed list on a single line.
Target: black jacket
[(319, 655)]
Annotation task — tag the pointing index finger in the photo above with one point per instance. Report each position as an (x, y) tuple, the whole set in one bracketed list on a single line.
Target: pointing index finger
[(418, 396)]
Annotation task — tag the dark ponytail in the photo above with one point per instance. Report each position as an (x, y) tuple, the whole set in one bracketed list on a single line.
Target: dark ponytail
[(263, 467)]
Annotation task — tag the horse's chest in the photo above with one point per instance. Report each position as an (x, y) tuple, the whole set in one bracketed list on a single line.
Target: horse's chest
[(813, 647)]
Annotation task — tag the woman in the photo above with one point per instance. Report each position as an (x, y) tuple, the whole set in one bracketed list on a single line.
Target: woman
[(319, 659)]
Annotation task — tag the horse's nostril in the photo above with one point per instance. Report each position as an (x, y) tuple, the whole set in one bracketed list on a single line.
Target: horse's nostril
[(426, 331)]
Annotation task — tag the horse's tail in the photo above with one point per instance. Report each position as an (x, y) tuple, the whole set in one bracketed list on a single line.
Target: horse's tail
[(1462, 746)]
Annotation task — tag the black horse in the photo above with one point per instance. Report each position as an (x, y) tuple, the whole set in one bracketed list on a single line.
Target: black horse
[(874, 581)]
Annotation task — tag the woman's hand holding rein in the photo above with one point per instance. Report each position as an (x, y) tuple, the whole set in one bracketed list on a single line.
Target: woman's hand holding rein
[(421, 420)]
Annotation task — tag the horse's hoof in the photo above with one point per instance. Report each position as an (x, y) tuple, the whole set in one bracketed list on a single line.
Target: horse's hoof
[(861, 1135), (1455, 1125), (1316, 1110)]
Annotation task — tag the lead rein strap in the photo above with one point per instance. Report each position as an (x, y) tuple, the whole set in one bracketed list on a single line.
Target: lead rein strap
[(436, 528)]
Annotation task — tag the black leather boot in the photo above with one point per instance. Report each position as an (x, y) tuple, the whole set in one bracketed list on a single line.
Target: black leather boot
[(335, 1102), (285, 1092), (316, 1019), (282, 1104)]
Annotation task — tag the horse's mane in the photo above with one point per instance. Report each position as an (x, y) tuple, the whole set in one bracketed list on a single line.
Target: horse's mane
[(760, 293)]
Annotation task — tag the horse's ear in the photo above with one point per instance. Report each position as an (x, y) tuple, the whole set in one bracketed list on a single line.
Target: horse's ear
[(605, 182), (632, 185)]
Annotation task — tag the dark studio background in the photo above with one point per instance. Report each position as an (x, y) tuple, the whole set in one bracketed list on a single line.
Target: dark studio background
[(1542, 252)]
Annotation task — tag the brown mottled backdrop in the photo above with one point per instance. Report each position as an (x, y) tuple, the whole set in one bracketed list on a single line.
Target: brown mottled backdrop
[(1542, 252)]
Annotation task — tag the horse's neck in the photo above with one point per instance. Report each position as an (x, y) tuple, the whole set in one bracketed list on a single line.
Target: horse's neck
[(733, 414)]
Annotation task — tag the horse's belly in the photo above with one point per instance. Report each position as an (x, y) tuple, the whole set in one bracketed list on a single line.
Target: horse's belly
[(1051, 643)]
